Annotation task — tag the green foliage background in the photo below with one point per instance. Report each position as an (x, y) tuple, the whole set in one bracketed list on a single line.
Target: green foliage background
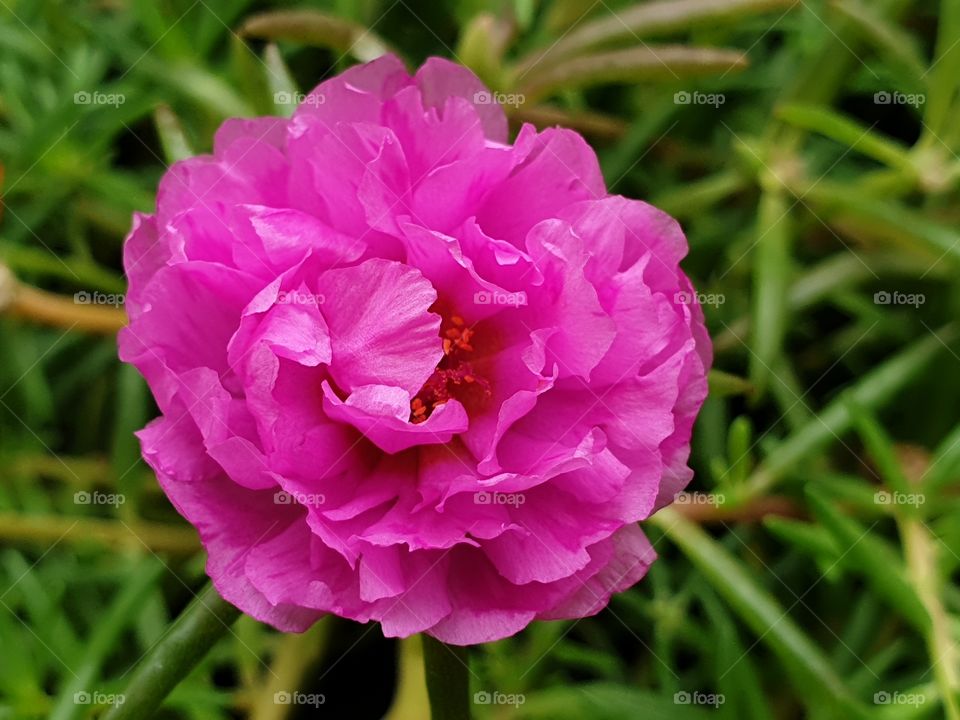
[(814, 572)]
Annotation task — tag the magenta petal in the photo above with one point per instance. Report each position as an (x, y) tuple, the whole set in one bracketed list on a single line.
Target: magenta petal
[(382, 412), (441, 79), (631, 557), (145, 251), (560, 170), (381, 330), (424, 600), (570, 303), (356, 95), (287, 235), (227, 541)]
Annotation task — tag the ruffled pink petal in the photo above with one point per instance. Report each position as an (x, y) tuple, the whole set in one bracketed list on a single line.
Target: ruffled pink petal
[(626, 557), (288, 235), (439, 80), (568, 302), (145, 251), (355, 95), (382, 414), (381, 330), (249, 169), (200, 498), (187, 314), (560, 170)]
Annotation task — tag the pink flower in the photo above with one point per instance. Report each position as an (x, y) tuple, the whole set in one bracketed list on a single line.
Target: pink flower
[(410, 372)]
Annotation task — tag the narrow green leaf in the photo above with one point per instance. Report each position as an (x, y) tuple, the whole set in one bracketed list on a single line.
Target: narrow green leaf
[(691, 198), (724, 384), (738, 677), (867, 554), (280, 81), (173, 138), (890, 40), (132, 408), (866, 614), (943, 75), (617, 161), (200, 85), (648, 63), (167, 37), (482, 45), (604, 701), (248, 71), (879, 445), (113, 622), (884, 219), (760, 611), (771, 280), (834, 274), (313, 27), (849, 133), (40, 604), (649, 19), (945, 463), (811, 539), (873, 389), (739, 442), (790, 393)]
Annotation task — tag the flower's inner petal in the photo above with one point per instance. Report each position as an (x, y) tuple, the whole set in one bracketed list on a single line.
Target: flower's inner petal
[(382, 413), (381, 329)]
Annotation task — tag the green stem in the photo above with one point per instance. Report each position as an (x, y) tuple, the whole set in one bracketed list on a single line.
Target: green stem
[(448, 683), (195, 632)]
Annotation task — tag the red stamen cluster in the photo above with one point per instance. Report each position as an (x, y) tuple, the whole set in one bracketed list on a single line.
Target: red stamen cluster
[(454, 373)]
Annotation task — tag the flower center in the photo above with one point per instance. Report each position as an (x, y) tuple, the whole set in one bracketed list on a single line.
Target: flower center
[(455, 376)]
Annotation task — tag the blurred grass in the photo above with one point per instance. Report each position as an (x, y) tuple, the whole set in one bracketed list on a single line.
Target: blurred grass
[(818, 195)]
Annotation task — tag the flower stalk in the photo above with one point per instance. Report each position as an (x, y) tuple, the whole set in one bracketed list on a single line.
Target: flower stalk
[(196, 631), (448, 683)]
